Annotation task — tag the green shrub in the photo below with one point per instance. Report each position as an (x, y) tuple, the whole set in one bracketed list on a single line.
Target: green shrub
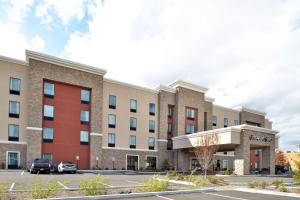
[(277, 182), (154, 185), (253, 184), (282, 188), (199, 181), (40, 192), (170, 175), (3, 190), (179, 177), (264, 184), (166, 164), (94, 186), (212, 180), (297, 172), (229, 172)]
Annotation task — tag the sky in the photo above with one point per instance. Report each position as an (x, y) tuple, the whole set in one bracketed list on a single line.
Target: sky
[(246, 52)]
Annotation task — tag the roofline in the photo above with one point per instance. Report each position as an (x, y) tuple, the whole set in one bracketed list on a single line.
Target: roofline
[(209, 99), (130, 85), (164, 88), (227, 108), (191, 86), (63, 62), (250, 110), (13, 60)]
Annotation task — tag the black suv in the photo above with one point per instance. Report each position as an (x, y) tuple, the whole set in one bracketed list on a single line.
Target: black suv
[(40, 166)]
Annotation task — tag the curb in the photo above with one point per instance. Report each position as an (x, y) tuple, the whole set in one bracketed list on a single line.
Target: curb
[(134, 195), (295, 195)]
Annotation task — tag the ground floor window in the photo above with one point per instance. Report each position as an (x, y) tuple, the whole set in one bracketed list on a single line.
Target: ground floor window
[(132, 162), (13, 160), (151, 162), (225, 164), (194, 163)]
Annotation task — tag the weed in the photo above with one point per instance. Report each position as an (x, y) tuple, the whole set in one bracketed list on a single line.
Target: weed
[(94, 186)]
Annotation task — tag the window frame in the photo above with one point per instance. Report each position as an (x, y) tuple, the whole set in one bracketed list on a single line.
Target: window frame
[(150, 109), (188, 125), (83, 101), (115, 121), (132, 146), (88, 139), (212, 120), (236, 122), (115, 101), (13, 138), (44, 114), (11, 114), (48, 140), (109, 140), (190, 111), (83, 121), (132, 128), (149, 140), (11, 90), (51, 96), (134, 110), (226, 120), (150, 128)]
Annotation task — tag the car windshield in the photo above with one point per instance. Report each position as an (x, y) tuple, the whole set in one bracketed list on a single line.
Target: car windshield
[(65, 162), (41, 161)]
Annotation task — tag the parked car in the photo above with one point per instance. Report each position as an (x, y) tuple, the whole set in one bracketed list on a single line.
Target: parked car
[(65, 166), (279, 169), (39, 166)]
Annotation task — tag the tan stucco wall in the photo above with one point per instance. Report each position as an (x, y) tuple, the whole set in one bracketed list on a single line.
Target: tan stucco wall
[(221, 113), (123, 95), (7, 70)]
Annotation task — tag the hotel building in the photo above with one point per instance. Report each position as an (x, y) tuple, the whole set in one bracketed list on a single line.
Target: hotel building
[(62, 110)]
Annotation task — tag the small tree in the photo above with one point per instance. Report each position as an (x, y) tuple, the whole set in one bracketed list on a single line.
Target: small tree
[(279, 158), (205, 148), (297, 171)]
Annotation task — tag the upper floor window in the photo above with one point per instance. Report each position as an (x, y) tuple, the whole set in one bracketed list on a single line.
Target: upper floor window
[(14, 86), (84, 117), (190, 128), (151, 143), (111, 121), (84, 137), (48, 112), (151, 109), (132, 141), (214, 120), (190, 113), (111, 140), (85, 96), (13, 132), (169, 144), (14, 109), (112, 101), (225, 122), (151, 126), (169, 128), (49, 90), (236, 122), (48, 134), (133, 105), (170, 111), (133, 123)]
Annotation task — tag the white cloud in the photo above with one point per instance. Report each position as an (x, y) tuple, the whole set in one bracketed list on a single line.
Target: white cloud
[(37, 43), (246, 52)]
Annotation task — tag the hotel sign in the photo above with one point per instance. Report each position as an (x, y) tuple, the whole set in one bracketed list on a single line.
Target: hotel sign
[(260, 138)]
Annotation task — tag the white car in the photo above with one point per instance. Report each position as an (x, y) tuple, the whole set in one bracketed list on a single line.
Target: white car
[(65, 166)]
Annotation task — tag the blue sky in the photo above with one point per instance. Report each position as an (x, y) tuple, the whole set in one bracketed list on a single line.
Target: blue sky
[(246, 52)]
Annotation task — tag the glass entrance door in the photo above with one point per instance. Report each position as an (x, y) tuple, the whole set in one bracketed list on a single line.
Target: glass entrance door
[(132, 162), (12, 160)]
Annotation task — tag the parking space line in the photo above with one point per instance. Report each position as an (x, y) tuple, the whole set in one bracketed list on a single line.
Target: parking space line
[(131, 181), (229, 197), (11, 187), (64, 186), (164, 197), (22, 173), (107, 185)]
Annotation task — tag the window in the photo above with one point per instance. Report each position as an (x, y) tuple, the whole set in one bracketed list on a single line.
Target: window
[(225, 164), (14, 109), (169, 144), (190, 114), (49, 90), (13, 160), (169, 128), (225, 122), (84, 117), (48, 112), (151, 126), (112, 101), (151, 162), (111, 140), (190, 128), (170, 111), (214, 120), (85, 96), (13, 132), (236, 122), (151, 143), (132, 141), (48, 157), (84, 137), (151, 109), (111, 121), (14, 86), (133, 105), (133, 123), (48, 134)]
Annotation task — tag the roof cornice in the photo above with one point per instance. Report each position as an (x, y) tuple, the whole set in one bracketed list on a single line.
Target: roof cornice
[(165, 88), (257, 112), (63, 62), (191, 86), (13, 60)]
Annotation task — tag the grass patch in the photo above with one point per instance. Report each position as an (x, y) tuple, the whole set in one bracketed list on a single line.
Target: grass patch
[(282, 188), (40, 192), (154, 185), (253, 184), (94, 186), (277, 182)]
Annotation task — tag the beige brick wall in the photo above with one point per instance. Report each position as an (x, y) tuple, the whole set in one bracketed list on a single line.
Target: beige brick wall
[(221, 113), (4, 147), (247, 116)]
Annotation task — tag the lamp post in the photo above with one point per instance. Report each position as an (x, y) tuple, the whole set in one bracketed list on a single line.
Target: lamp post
[(97, 159), (113, 159), (77, 160)]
